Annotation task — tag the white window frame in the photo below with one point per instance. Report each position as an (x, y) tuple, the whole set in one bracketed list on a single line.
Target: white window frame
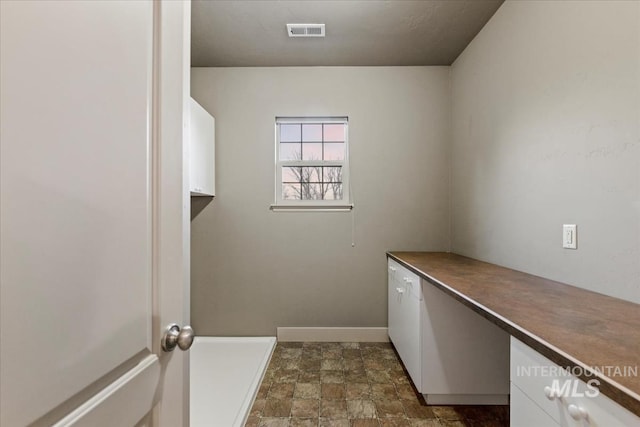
[(333, 205)]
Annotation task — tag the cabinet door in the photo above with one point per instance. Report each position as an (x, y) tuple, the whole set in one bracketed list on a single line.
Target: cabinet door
[(404, 318), (393, 308), (525, 413), (202, 151)]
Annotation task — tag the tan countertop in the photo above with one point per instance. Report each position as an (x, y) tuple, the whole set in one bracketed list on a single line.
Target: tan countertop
[(569, 325)]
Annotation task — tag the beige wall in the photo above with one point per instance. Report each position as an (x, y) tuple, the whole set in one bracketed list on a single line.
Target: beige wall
[(546, 110), (253, 269)]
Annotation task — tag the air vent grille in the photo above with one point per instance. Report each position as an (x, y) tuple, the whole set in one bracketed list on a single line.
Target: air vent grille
[(305, 30)]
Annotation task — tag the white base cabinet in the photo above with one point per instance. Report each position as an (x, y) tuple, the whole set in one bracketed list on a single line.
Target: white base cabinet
[(452, 354), (541, 390)]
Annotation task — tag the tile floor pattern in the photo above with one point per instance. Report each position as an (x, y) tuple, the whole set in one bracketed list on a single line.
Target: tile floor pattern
[(352, 385)]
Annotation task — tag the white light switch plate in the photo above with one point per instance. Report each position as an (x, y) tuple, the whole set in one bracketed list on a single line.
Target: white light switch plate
[(569, 236)]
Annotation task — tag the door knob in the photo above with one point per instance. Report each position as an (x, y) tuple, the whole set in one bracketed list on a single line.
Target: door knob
[(174, 336)]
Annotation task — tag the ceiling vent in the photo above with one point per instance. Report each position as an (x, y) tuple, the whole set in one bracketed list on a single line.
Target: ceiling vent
[(305, 30)]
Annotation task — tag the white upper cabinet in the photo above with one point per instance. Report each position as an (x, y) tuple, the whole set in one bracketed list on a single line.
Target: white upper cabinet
[(202, 151)]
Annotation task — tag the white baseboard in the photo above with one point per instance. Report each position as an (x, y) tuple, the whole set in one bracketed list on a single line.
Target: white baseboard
[(466, 399), (333, 334)]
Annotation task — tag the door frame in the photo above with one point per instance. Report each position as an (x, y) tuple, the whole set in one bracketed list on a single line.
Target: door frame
[(171, 202)]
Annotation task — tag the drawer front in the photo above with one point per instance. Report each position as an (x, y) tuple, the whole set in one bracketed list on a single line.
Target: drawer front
[(405, 278), (531, 372)]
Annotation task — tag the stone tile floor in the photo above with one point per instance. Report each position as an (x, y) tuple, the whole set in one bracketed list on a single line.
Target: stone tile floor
[(352, 385)]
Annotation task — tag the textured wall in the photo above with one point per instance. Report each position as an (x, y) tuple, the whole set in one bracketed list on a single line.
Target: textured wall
[(546, 110), (253, 269)]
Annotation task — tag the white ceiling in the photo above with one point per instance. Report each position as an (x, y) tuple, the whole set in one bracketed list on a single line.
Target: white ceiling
[(242, 33)]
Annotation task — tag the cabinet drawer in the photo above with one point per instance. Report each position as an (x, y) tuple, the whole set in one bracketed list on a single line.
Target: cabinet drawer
[(405, 278), (531, 372)]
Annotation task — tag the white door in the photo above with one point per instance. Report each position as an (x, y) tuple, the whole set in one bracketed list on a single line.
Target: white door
[(94, 213)]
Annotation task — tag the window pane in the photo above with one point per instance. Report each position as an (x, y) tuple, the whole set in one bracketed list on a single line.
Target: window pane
[(312, 133), (311, 174), (311, 151), (334, 132), (334, 151), (311, 191), (290, 133), (291, 191), (290, 174), (290, 151), (333, 191), (332, 174)]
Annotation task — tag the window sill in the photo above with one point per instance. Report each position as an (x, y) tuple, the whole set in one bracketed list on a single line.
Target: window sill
[(311, 208)]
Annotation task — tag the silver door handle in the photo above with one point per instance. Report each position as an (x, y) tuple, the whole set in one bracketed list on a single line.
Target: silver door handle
[(174, 336)]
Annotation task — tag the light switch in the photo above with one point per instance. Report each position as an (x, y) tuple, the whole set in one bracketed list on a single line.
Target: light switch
[(569, 236)]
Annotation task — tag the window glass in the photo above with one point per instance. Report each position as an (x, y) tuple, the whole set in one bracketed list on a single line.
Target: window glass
[(312, 151), (291, 192), (332, 174), (334, 151), (333, 191), (312, 133), (291, 174), (290, 151), (334, 132), (290, 133)]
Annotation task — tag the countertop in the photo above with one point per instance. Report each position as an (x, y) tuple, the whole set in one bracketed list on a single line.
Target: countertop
[(569, 325)]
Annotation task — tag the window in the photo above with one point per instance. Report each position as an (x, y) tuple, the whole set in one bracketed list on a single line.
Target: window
[(312, 162)]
